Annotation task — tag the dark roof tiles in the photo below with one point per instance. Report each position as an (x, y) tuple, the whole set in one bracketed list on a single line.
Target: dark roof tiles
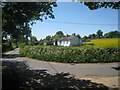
[(67, 38)]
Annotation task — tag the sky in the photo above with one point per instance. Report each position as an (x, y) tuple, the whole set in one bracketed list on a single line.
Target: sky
[(74, 17)]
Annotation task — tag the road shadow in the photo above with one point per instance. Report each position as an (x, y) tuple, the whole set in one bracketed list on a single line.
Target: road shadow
[(18, 76), (116, 68), (11, 56)]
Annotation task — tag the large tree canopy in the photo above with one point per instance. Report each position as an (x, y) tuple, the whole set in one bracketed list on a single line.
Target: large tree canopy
[(18, 16), (97, 5)]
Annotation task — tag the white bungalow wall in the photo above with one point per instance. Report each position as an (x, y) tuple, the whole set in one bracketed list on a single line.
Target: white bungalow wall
[(53, 43), (63, 43), (73, 42)]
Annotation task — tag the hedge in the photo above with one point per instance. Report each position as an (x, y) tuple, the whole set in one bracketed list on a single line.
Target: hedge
[(71, 55)]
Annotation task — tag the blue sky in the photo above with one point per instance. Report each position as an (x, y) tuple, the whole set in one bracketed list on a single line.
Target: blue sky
[(76, 13)]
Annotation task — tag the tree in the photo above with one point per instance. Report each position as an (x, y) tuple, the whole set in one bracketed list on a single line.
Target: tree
[(106, 35), (93, 36), (48, 38), (42, 41), (18, 16), (34, 39), (78, 36), (60, 33), (85, 38), (90, 36), (99, 34), (112, 34), (97, 5)]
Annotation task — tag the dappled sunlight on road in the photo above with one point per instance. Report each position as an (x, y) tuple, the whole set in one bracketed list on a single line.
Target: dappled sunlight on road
[(17, 75)]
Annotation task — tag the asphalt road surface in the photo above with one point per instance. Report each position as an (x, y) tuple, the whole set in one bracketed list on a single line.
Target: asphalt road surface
[(75, 69)]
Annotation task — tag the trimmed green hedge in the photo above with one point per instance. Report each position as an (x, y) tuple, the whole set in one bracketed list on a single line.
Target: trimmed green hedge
[(71, 55)]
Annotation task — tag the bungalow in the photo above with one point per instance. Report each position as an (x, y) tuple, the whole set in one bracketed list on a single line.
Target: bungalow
[(69, 41), (48, 43)]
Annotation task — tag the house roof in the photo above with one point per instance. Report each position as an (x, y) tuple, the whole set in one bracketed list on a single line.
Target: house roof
[(67, 38)]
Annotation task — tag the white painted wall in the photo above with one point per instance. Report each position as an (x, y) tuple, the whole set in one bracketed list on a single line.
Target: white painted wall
[(45, 43), (63, 43), (54, 43), (72, 42)]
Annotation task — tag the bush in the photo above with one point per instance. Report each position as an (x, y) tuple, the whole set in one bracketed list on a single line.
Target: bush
[(6, 47), (21, 45), (71, 54)]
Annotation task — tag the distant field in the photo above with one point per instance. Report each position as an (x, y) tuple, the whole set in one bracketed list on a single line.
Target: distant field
[(103, 43)]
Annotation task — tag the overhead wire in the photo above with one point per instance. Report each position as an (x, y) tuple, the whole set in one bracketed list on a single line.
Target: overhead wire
[(81, 23)]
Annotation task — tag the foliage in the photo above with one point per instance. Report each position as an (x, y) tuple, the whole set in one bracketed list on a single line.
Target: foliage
[(48, 37), (71, 54), (18, 16), (50, 40), (92, 36), (85, 39), (58, 37), (97, 5), (59, 33), (99, 33), (112, 34), (6, 47), (33, 40), (78, 36), (21, 44)]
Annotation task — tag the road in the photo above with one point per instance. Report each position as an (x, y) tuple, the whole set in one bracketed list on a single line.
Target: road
[(78, 70)]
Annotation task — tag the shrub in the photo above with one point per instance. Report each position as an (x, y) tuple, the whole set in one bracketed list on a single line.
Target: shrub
[(21, 44), (6, 47), (71, 54)]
